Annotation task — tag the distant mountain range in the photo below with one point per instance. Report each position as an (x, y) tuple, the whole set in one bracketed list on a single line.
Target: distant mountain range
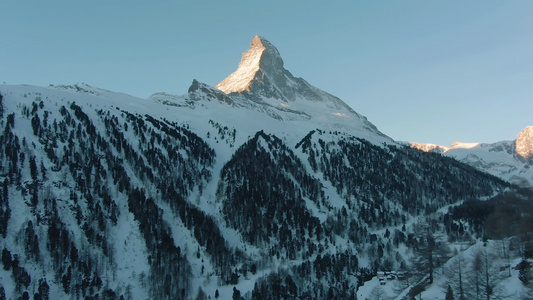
[(510, 160)]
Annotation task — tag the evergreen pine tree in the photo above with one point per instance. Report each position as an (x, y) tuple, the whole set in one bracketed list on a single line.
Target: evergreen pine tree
[(6, 259), (236, 294), (449, 293)]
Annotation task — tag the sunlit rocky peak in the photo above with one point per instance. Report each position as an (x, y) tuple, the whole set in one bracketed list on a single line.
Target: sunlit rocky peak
[(524, 143), (260, 58)]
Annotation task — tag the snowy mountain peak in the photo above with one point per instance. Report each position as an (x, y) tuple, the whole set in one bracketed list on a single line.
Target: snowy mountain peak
[(262, 83), (260, 58), (524, 143)]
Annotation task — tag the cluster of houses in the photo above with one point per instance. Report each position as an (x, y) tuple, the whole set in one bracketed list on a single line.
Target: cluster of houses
[(384, 276)]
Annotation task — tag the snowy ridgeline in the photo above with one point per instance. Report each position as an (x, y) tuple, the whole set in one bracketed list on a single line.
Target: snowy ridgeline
[(509, 160)]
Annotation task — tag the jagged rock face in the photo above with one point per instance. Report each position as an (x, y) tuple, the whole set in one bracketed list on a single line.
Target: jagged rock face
[(261, 58), (198, 94), (271, 79), (261, 73), (262, 83), (524, 143)]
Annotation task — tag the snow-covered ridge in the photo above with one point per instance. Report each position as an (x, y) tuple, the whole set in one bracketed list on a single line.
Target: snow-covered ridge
[(460, 145), (443, 149), (509, 160), (428, 147)]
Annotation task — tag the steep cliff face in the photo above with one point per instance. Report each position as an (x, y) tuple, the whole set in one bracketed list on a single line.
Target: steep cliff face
[(262, 58), (524, 143)]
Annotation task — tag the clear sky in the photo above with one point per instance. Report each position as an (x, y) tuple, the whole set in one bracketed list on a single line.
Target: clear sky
[(426, 71)]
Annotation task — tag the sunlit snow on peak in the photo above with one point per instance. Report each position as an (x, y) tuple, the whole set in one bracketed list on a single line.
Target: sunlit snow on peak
[(341, 115), (460, 145), (241, 79)]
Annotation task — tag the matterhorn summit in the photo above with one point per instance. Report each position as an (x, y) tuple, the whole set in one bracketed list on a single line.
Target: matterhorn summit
[(262, 83), (261, 73), (262, 58)]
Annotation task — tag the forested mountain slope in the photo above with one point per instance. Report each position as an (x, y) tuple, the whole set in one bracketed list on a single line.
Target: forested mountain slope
[(104, 195)]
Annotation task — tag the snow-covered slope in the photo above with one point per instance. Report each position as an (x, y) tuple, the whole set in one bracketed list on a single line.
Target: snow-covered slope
[(277, 190), (509, 160)]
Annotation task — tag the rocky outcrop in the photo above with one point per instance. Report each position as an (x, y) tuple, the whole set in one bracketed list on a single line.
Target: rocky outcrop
[(524, 143)]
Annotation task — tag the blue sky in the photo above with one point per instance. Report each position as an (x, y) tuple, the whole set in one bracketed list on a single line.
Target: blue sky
[(424, 71)]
